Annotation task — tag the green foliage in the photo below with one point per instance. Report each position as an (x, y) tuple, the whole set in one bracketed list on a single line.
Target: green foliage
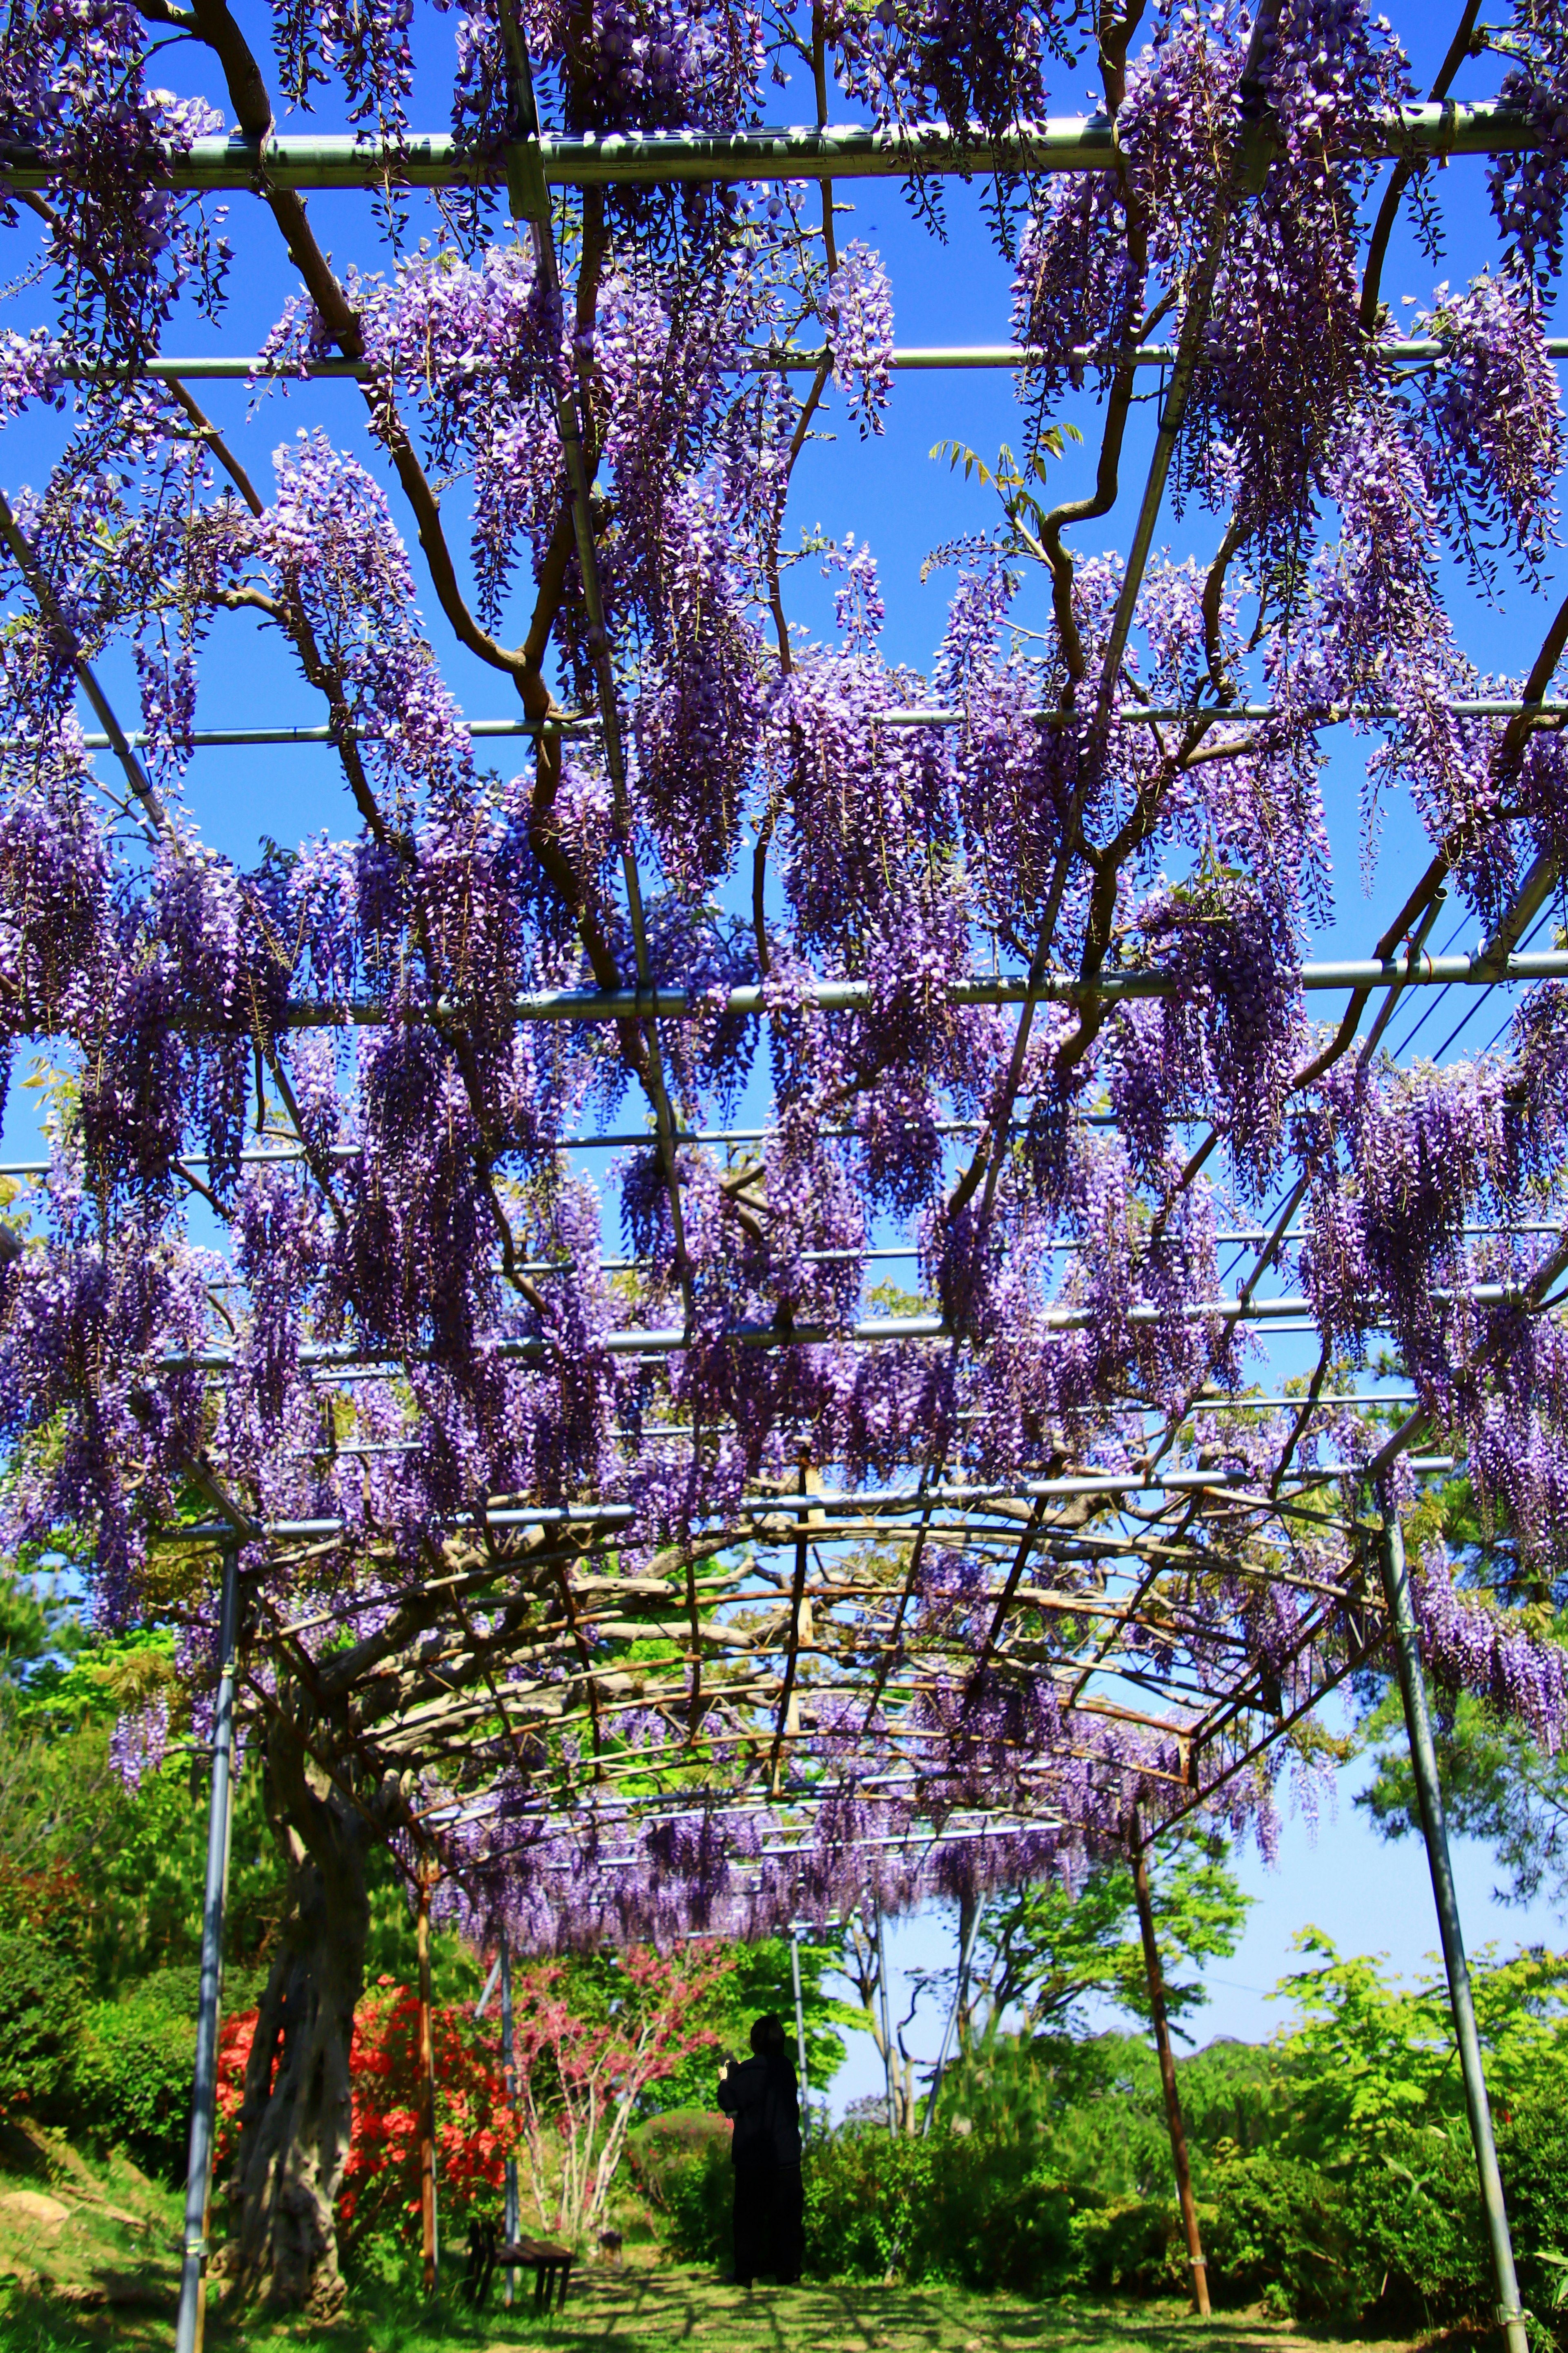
[(1499, 1786), (680, 2162), (1371, 2059), (40, 2013), (1280, 2232), (760, 1978), (37, 1624), (456, 1974), (1135, 2246), (1010, 479), (1532, 2150), (1094, 2111), (131, 2076), (128, 1866), (1046, 1948)]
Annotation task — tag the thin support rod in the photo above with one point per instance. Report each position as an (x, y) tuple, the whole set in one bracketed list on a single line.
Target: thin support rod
[(780, 359), (1435, 1830), (887, 2008), (427, 2094), (960, 1994), (1155, 715), (191, 2323), (1168, 2071), (513, 2214), (800, 2033), (1046, 984)]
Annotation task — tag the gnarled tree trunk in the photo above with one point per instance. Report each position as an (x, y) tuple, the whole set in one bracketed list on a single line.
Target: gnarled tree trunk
[(297, 2113)]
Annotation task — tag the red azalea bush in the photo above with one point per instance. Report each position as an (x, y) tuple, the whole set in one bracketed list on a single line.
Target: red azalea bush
[(591, 2037), (380, 2180)]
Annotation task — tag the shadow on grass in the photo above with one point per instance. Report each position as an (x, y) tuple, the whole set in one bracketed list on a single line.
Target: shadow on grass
[(668, 2306)]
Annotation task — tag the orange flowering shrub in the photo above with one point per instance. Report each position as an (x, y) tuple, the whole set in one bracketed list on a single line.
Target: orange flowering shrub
[(592, 2038), (380, 2180)]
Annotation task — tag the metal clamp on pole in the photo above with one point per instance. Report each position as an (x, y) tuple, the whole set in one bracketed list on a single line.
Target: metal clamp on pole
[(1435, 1830)]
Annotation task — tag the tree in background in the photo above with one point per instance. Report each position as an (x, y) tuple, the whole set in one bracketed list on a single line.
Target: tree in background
[(1043, 1953), (1047, 1950), (594, 2038), (760, 1977), (101, 1883), (1368, 2059)]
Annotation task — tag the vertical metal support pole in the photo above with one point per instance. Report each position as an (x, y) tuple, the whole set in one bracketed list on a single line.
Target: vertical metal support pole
[(887, 2024), (1435, 1830), (427, 2091), (800, 2033), (1168, 2071), (508, 2065), (192, 2321), (959, 1991)]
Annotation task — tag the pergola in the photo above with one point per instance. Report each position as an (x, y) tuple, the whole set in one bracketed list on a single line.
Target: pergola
[(693, 1589)]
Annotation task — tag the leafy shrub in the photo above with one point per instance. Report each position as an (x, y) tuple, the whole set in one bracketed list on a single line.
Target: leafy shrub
[(40, 2018), (961, 2207), (868, 2199), (1280, 2232), (1136, 2246), (699, 2204), (1532, 2149), (1019, 2235), (680, 2162), (132, 2074)]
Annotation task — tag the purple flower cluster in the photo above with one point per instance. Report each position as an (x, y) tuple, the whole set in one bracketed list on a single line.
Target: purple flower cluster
[(1529, 186), (1496, 419), (858, 318), (1230, 1032), (1469, 1646)]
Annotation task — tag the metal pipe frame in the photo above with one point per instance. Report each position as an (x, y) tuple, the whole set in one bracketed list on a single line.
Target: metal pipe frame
[(1435, 1831), (800, 2035), (835, 152), (875, 1504), (513, 2210), (1057, 986), (960, 1989), (218, 739), (875, 1330), (782, 359), (190, 2325)]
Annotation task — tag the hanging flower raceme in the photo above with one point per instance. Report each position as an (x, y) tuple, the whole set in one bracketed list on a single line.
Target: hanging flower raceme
[(1225, 1036), (1496, 418), (857, 316), (1468, 1645)]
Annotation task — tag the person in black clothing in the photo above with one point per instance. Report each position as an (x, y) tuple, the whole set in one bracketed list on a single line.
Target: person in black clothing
[(760, 2094)]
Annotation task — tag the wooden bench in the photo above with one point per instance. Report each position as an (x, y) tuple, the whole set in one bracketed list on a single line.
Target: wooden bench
[(551, 2265)]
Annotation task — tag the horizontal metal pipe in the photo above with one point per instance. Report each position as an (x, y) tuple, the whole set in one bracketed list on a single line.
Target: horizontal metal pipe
[(625, 1140), (1174, 1482), (205, 739), (785, 359), (668, 1340), (836, 152), (1002, 988)]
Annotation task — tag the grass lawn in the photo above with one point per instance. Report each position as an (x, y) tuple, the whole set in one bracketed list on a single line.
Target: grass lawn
[(647, 2307), (87, 2264)]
